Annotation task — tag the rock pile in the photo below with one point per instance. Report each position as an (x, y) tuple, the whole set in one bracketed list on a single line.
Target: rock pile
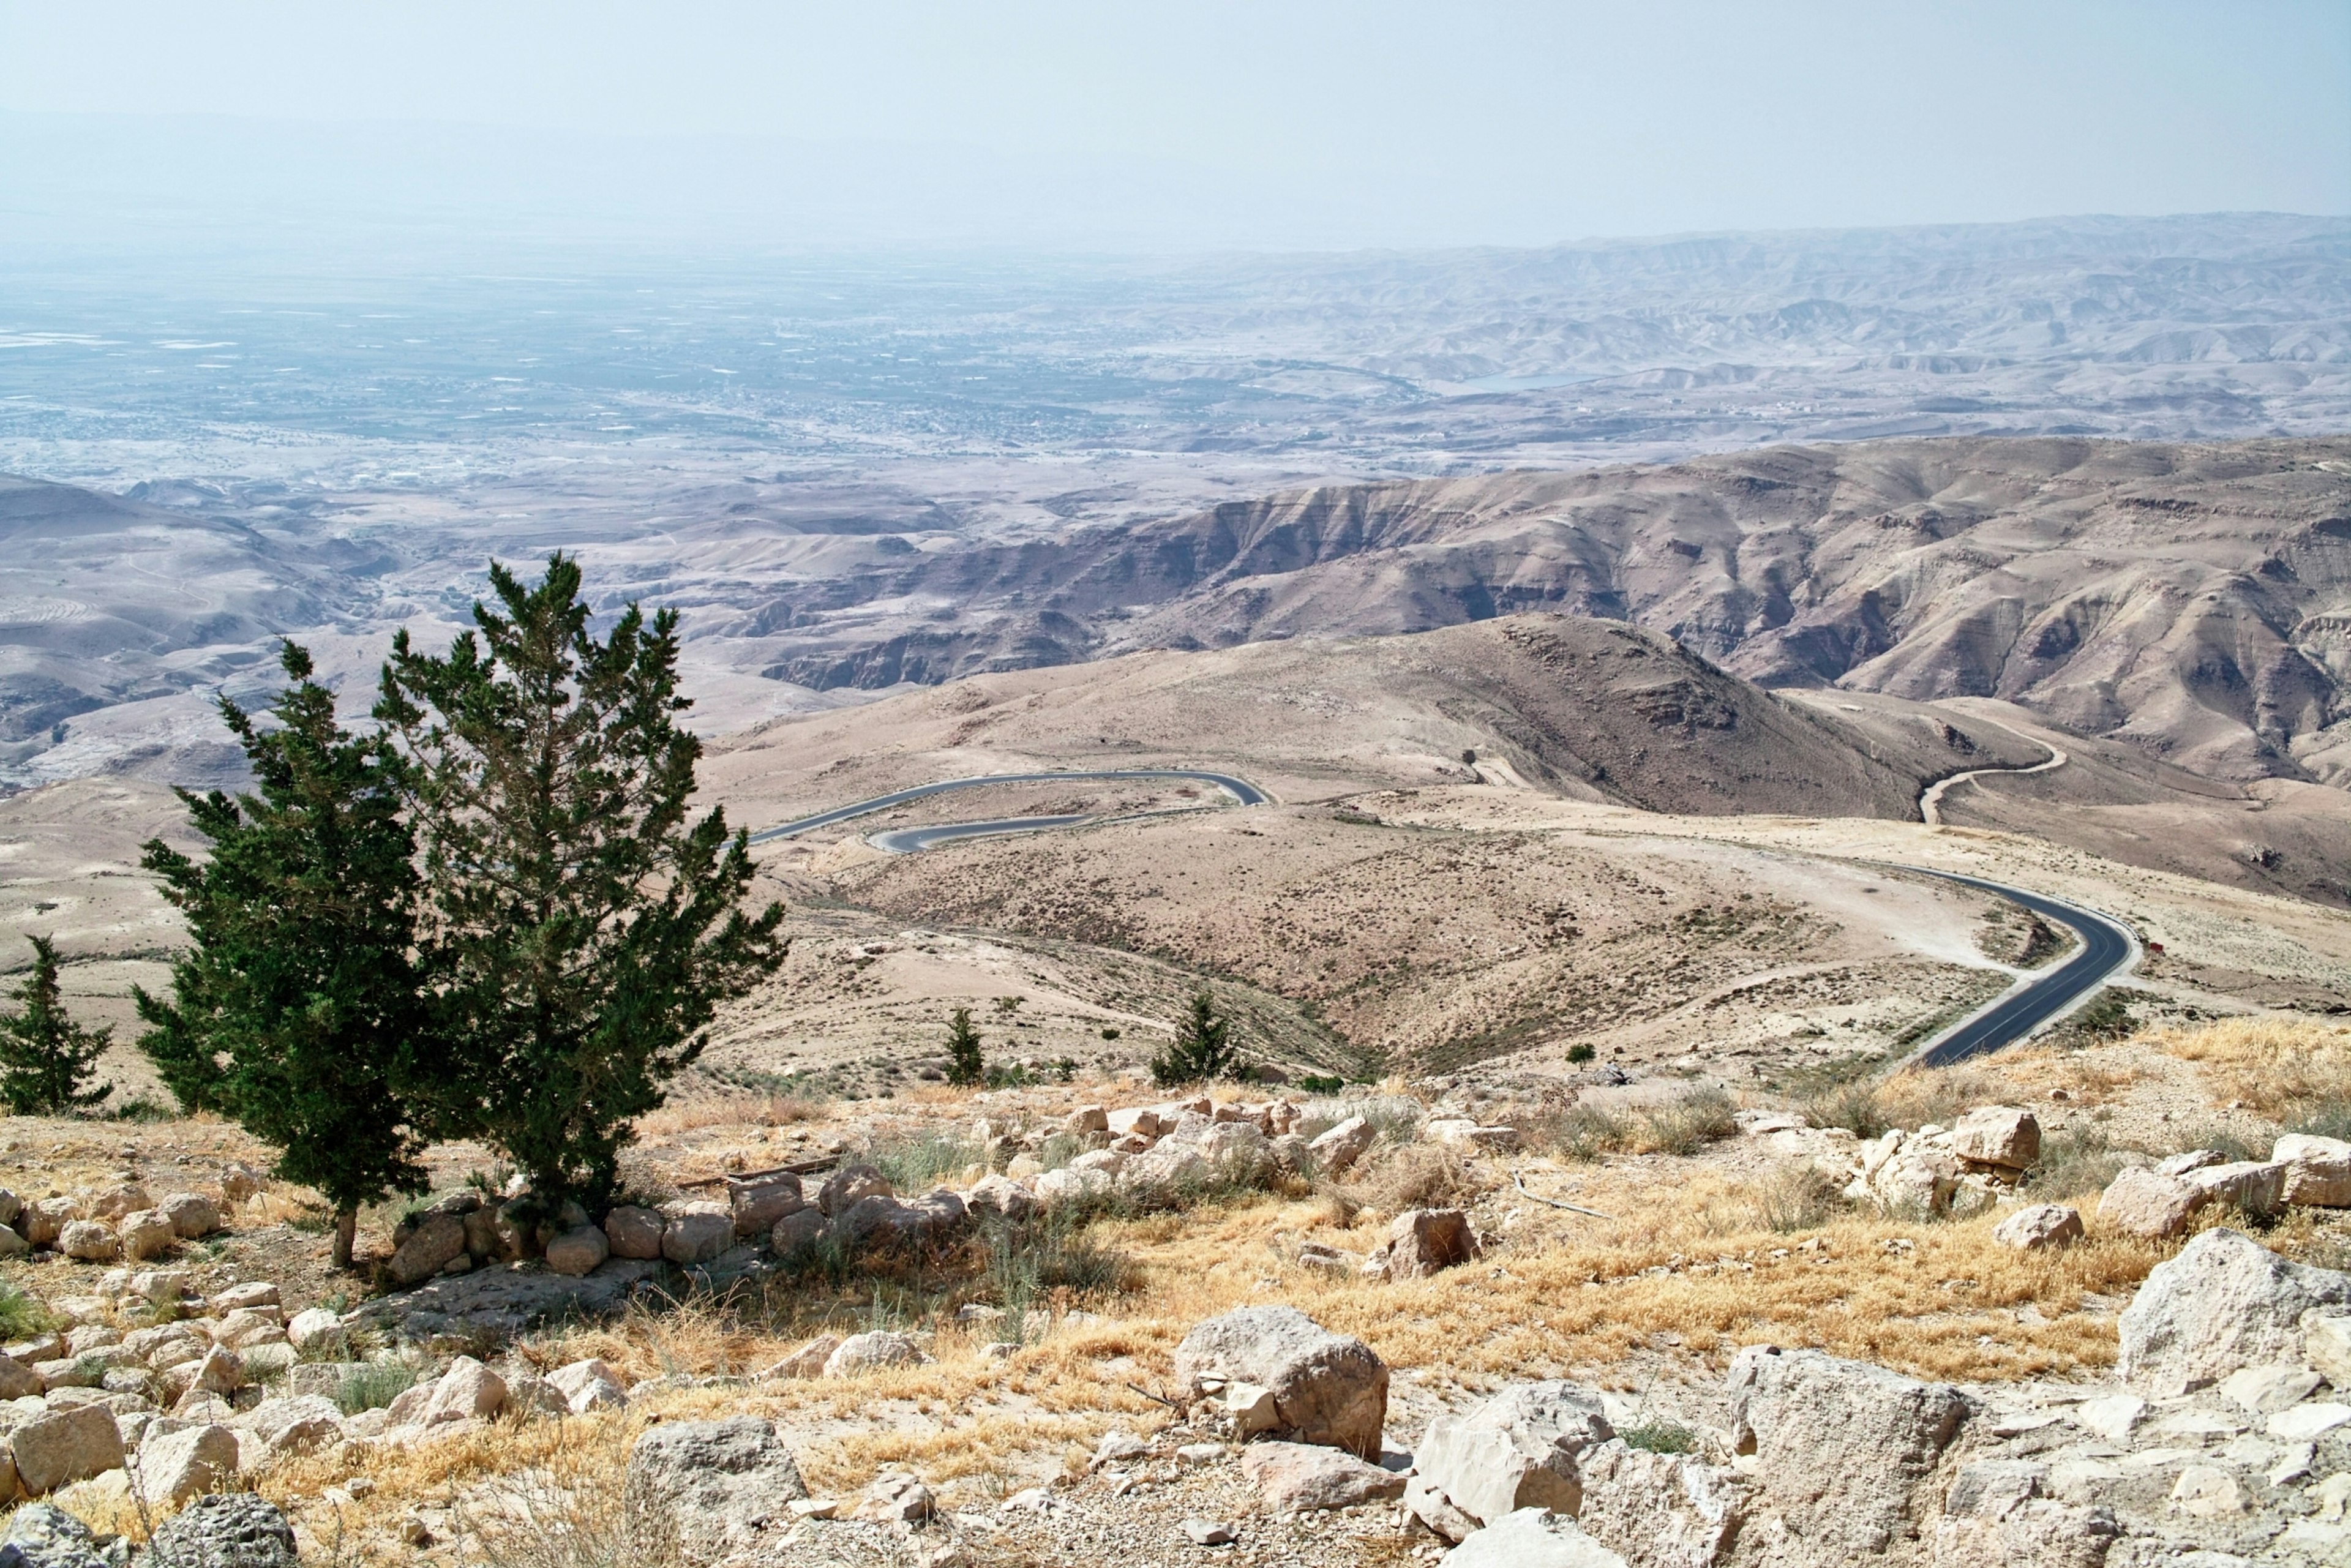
[(2163, 1201), (105, 1225)]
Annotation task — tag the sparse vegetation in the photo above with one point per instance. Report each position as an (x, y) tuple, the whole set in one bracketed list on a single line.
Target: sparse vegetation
[(47, 1060), (1680, 1125), (1659, 1437), (22, 1315), (372, 1384)]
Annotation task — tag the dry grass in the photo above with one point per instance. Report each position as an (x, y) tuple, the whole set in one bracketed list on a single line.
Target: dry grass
[(2282, 1065), (727, 1110)]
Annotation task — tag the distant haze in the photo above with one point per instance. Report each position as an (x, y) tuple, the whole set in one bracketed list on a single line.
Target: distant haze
[(1207, 126)]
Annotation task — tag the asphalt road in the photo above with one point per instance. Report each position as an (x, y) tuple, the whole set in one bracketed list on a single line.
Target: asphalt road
[(2106, 946), (907, 840)]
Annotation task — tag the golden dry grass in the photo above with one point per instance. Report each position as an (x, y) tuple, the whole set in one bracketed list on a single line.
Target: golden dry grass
[(1690, 1269), (2282, 1065)]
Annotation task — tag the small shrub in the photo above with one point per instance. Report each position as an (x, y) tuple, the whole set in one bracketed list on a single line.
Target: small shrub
[(1424, 1176), (1853, 1106), (1682, 1127), (23, 1316), (1659, 1437), (2073, 1162), (1581, 1053), (1322, 1083), (919, 1162), (1796, 1199), (1111, 1032), (1578, 1133), (372, 1384), (91, 1369), (141, 1109)]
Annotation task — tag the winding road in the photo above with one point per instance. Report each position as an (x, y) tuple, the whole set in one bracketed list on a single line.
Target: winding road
[(2107, 944), (906, 841)]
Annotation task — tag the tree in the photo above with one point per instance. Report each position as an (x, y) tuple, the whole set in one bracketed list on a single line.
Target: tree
[(581, 929), (1202, 1050), (297, 1009), (47, 1060), (965, 1065)]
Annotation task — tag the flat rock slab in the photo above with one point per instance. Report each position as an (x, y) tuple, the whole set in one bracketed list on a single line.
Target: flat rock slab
[(505, 1300)]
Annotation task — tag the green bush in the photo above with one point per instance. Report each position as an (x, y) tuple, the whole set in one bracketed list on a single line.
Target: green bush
[(1659, 1437), (1202, 1050), (372, 1384), (1581, 1053), (23, 1316)]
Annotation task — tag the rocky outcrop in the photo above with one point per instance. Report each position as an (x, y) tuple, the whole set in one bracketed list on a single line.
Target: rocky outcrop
[(1842, 1448), (2226, 1303), (1522, 1449), (1328, 1389), (233, 1530), (697, 1491)]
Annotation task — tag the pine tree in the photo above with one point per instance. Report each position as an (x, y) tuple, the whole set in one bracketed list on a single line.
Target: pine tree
[(298, 1010), (581, 928), (1202, 1050), (47, 1060), (965, 1065)]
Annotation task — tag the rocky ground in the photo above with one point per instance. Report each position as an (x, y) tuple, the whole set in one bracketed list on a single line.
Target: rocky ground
[(970, 1328)]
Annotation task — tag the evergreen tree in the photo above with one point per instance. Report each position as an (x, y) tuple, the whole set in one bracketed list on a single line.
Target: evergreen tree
[(965, 1065), (297, 1009), (1202, 1050), (47, 1059), (581, 927)]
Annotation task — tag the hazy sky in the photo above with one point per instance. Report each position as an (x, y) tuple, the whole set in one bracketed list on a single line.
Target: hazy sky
[(1258, 123)]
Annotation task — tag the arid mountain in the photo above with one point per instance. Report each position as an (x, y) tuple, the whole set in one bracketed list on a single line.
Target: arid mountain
[(1594, 710), (2192, 601)]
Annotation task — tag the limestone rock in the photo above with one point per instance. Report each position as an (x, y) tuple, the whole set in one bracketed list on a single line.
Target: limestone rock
[(145, 1233), (293, 1426), (251, 1294), (575, 1253), (63, 1445), (436, 1240), (870, 1351), (1427, 1504), (1841, 1448), (1423, 1241), (192, 1215), (2224, 1304), (588, 1385), (240, 1182), (696, 1232), (897, 1498), (808, 1361), (2327, 1344), (795, 1231), (760, 1203), (467, 1390), (13, 1245), (2005, 1137), (2317, 1170), (1522, 1449), (221, 1371), (1661, 1510), (89, 1242), (704, 1490), (1295, 1478), (1532, 1538), (1333, 1151), (2006, 1512), (2147, 1204), (1087, 1119), (232, 1530), (314, 1326), (2040, 1226), (635, 1232), (849, 1186), (998, 1197), (2266, 1390), (1056, 1189), (45, 1217), (1331, 1389), (2253, 1185)]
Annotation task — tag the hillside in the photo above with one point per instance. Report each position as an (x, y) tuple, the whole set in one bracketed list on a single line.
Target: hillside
[(2194, 602)]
